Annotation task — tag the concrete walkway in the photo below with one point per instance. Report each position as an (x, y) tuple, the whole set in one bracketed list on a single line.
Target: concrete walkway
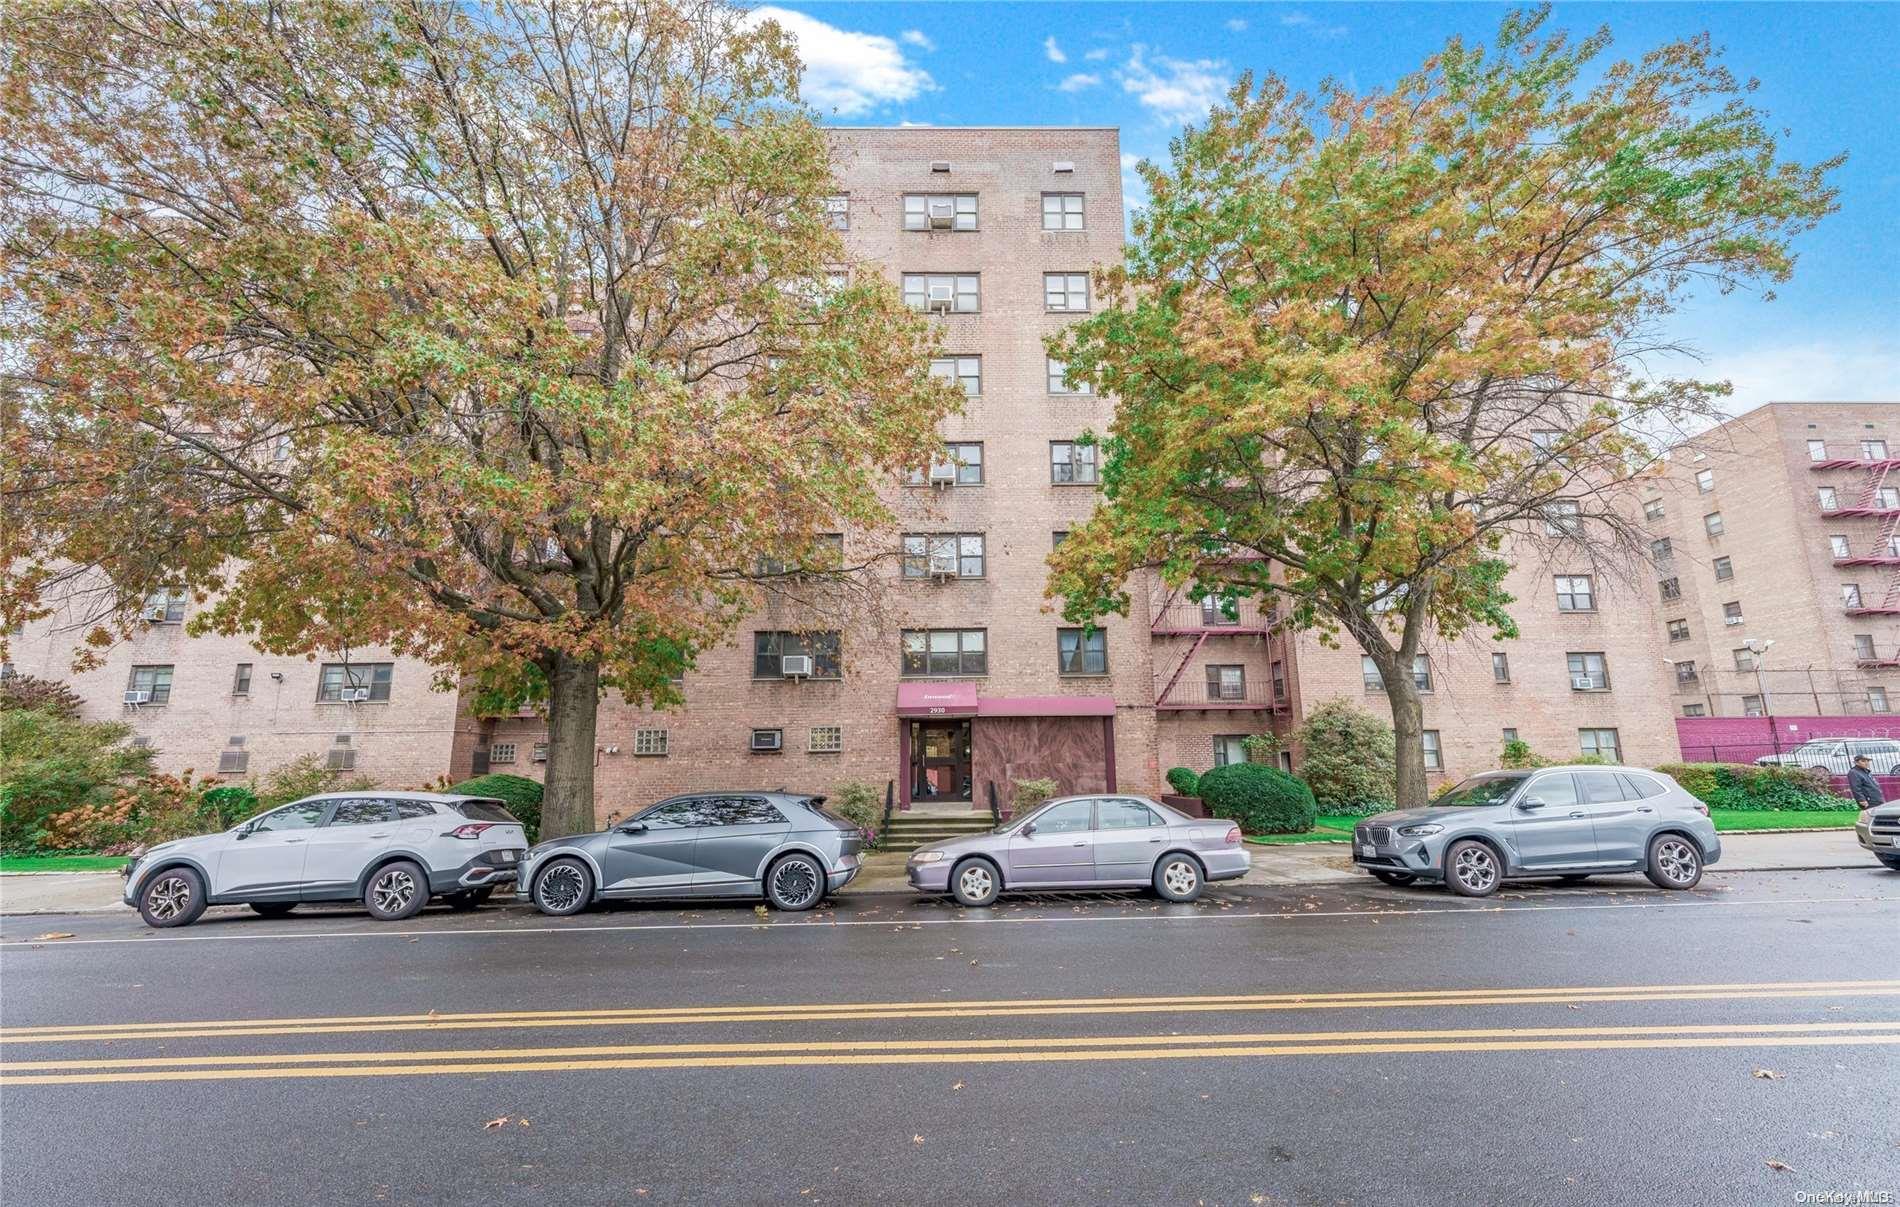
[(1301, 863)]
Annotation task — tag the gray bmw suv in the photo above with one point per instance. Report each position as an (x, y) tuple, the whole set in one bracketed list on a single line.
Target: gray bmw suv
[(1567, 822)]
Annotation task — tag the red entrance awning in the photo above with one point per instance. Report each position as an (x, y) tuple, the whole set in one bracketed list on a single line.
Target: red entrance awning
[(1046, 706), (936, 700)]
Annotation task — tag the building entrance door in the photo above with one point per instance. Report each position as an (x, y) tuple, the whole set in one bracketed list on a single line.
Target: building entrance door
[(939, 761)]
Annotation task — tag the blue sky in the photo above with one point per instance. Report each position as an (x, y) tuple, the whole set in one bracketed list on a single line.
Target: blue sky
[(1827, 74)]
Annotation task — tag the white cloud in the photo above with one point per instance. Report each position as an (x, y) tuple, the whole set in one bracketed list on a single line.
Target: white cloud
[(1134, 188), (851, 73), (1180, 90), (1236, 25), (1054, 52), (1078, 82), (1815, 371), (917, 38), (1097, 55), (1307, 22)]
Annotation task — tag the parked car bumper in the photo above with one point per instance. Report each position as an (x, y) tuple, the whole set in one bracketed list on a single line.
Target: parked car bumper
[(491, 869), (1226, 864), (1885, 840), (1397, 853), (929, 877)]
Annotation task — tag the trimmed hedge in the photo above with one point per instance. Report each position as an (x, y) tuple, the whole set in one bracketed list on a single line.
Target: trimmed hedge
[(1184, 781), (523, 797), (1750, 786), (1262, 799)]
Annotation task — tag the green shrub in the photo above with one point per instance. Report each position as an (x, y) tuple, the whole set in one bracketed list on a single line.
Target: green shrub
[(861, 804), (1519, 755), (1752, 787), (1030, 793), (231, 803), (1183, 781), (1262, 799), (51, 764), (1348, 759), (522, 796), (303, 776)]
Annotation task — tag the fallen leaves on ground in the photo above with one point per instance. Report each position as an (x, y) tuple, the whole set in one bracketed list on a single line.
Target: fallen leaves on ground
[(50, 935), (1766, 1074), (495, 1123), (916, 1139), (761, 911), (1778, 1167), (957, 1086)]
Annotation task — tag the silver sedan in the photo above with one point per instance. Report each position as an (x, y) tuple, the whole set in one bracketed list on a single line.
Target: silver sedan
[(1084, 842)]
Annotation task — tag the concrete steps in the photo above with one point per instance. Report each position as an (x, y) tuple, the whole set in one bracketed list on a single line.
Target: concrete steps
[(907, 832)]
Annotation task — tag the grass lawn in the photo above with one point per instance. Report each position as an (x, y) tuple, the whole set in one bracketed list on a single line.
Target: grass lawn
[(1788, 819), (61, 863), (1329, 828)]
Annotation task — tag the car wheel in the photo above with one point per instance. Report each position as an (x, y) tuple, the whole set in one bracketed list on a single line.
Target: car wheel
[(1178, 878), (794, 883), (1472, 869), (975, 883), (174, 897), (1574, 878), (1892, 861), (1674, 862), (273, 909), (1399, 878), (461, 903), (563, 887), (396, 891)]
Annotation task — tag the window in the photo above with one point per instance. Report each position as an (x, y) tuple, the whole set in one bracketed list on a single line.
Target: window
[(1422, 673), (960, 287), (1864, 647), (1694, 710), (1500, 668), (1744, 659), (1712, 523), (943, 554), (1877, 699), (1544, 438), (680, 814), (939, 211), (1589, 672), (1215, 611), (945, 652), (1850, 594), (504, 752), (1081, 651), (164, 606), (1369, 674), (1510, 734), (838, 212), (1602, 743), (1660, 550), (965, 462), (241, 680), (363, 812), (1602, 788), (826, 553), (1434, 757), (1279, 681), (1230, 748), (1837, 545), (1117, 814), (1679, 630), (1062, 211), (764, 741), (770, 648), (1070, 817), (1873, 450), (1752, 707), (1732, 612), (649, 743), (236, 760), (966, 371), (1068, 291), (304, 815), (1887, 498), (337, 678), (152, 681), (1670, 588), (1826, 495), (1227, 683), (1724, 569), (1653, 509), (1057, 537), (1704, 480), (1817, 450), (1562, 517), (1686, 674), (1575, 593), (1058, 379), (1071, 464), (538, 753), (825, 739)]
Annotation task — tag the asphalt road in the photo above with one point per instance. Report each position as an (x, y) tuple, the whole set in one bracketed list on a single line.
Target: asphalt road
[(1608, 1043)]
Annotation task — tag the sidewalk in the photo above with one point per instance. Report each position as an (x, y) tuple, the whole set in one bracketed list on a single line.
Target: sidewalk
[(1275, 866)]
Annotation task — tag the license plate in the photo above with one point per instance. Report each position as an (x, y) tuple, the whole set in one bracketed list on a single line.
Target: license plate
[(1368, 850)]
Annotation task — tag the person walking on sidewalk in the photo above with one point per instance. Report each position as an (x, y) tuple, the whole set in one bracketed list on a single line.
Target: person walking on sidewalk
[(1862, 784)]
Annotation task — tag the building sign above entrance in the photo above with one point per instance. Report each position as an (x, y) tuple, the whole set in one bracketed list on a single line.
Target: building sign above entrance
[(936, 699)]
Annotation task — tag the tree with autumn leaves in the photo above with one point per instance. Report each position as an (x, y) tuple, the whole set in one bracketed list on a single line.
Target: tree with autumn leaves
[(1370, 350), (517, 338)]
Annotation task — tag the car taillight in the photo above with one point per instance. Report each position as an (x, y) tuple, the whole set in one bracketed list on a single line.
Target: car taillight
[(1233, 836), (472, 830), (1701, 808)]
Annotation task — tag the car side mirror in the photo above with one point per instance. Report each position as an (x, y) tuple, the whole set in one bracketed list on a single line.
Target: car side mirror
[(243, 831), (1531, 802), (1029, 829), (632, 827)]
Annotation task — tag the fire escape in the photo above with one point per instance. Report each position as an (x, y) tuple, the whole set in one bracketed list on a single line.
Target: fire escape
[(1877, 501), (1209, 619)]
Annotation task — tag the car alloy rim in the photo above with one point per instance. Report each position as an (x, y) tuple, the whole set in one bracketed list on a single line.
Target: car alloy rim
[(794, 882), (1179, 877), (1677, 860), (169, 898), (1476, 869), (561, 888), (975, 881), (394, 890)]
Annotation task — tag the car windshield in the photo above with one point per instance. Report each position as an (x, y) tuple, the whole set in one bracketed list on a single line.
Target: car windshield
[(1481, 790), (485, 810)]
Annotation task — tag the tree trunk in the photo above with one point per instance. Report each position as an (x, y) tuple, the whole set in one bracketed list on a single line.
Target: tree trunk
[(1408, 742), (567, 801)]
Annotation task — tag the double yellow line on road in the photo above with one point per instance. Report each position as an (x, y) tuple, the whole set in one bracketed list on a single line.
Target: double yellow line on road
[(996, 1008), (1020, 1050)]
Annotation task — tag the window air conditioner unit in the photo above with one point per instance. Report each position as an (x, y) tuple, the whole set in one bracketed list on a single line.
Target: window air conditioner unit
[(353, 695), (943, 473), (940, 165), (1583, 683), (1732, 620), (540, 754), (943, 567), (767, 739), (943, 215), (340, 758), (940, 300), (233, 762), (1064, 166), (795, 666), (137, 698)]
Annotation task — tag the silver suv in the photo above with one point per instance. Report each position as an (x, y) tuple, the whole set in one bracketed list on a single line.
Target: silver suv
[(1567, 822)]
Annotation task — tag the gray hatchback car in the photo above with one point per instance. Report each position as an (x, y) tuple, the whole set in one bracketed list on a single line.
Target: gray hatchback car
[(1085, 842), (1567, 822), (783, 846)]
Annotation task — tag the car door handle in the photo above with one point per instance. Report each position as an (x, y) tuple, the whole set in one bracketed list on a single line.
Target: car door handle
[(1644, 809), (1153, 841), (288, 841), (1078, 844), (1576, 815), (384, 834)]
